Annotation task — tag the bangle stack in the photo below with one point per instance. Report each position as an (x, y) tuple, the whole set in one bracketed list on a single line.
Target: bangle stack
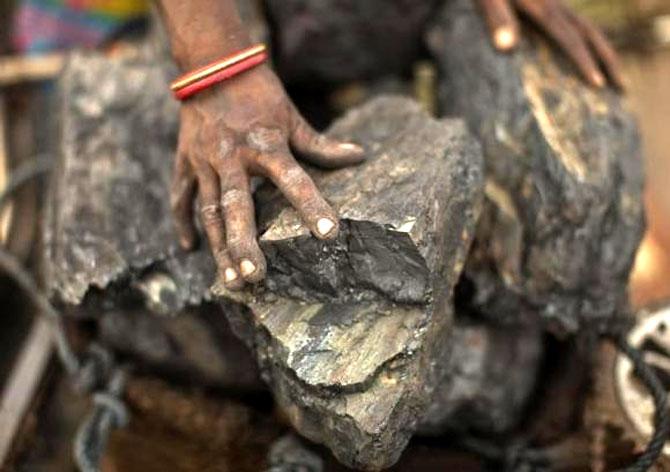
[(200, 79)]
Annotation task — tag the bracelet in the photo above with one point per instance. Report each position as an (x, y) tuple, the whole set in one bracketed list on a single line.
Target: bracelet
[(193, 82)]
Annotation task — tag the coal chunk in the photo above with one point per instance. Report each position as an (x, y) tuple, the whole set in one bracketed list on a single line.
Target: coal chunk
[(108, 211), (563, 215), (353, 335), (493, 374)]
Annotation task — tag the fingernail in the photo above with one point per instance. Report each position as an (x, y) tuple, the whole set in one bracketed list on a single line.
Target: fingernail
[(351, 147), (229, 275), (504, 37), (247, 267), (598, 79), (325, 226)]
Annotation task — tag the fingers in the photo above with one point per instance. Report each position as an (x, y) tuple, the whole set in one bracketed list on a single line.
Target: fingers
[(502, 23), (558, 27), (182, 193), (231, 277), (300, 191), (238, 213), (320, 149), (212, 222), (602, 47)]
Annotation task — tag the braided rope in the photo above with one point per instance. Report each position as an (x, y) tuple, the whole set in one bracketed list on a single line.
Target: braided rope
[(88, 370), (660, 397), (516, 456)]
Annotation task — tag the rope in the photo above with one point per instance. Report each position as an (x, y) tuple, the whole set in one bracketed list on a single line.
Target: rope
[(517, 456), (23, 174), (88, 370), (108, 413), (12, 267), (661, 415)]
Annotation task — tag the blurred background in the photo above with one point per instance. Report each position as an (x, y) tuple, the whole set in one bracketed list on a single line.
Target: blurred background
[(34, 36)]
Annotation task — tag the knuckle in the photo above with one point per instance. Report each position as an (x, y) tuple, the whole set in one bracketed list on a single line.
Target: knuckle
[(234, 198), (266, 139), (242, 244), (307, 135), (226, 147), (238, 242), (293, 176), (210, 214), (319, 140)]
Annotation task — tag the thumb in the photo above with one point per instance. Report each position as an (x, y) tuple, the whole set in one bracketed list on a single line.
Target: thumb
[(319, 149)]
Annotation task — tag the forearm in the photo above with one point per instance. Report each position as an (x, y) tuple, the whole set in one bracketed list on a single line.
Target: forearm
[(203, 30)]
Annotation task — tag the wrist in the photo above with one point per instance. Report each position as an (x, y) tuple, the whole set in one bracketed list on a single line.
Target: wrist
[(210, 47)]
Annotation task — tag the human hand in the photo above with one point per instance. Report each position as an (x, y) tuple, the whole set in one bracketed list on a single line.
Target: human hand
[(585, 45), (239, 129)]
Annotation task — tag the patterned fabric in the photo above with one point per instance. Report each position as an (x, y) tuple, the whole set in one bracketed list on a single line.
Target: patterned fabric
[(46, 25)]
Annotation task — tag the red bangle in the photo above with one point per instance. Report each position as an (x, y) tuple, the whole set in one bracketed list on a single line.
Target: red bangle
[(218, 71)]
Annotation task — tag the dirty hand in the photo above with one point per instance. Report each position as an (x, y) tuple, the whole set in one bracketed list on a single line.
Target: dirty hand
[(228, 134), (583, 42)]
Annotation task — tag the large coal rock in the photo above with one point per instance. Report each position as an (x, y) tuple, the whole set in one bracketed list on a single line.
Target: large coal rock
[(353, 336), (107, 221), (110, 252), (564, 213)]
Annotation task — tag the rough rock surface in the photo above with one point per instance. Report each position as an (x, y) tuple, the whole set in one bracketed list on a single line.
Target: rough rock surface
[(353, 335), (195, 348), (564, 214), (408, 218), (107, 224), (493, 373), (116, 146), (288, 454), (346, 40)]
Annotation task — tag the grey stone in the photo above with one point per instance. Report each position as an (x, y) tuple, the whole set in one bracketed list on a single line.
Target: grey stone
[(352, 335), (563, 214), (107, 221), (195, 348), (110, 250), (288, 454), (493, 373)]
